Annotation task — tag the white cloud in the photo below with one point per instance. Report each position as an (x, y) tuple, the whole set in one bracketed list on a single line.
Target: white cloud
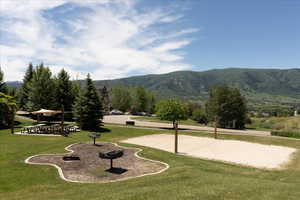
[(108, 38)]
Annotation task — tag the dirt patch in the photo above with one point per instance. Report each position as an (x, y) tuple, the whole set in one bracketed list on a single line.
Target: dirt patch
[(90, 168)]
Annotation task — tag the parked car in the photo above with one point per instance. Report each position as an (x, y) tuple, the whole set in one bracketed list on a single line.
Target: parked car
[(116, 112)]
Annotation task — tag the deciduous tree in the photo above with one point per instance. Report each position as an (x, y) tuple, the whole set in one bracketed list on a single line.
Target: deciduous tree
[(174, 111), (227, 107)]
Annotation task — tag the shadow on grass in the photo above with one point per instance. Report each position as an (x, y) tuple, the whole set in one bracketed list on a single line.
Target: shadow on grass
[(100, 130)]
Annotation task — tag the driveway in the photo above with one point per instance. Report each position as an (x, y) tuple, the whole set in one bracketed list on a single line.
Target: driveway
[(121, 119)]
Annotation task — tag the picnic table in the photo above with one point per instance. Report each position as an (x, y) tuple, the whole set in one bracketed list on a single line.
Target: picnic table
[(52, 129)]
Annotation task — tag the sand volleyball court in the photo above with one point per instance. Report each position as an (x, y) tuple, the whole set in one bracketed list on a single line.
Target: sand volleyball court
[(233, 151)]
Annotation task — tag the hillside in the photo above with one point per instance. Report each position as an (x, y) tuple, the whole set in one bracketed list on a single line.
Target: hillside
[(259, 85)]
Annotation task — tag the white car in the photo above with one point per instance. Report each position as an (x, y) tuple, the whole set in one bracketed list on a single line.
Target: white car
[(116, 112)]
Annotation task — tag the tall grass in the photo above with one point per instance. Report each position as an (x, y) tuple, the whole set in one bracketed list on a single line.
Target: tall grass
[(276, 123)]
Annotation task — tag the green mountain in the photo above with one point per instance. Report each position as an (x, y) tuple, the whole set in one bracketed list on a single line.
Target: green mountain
[(258, 85)]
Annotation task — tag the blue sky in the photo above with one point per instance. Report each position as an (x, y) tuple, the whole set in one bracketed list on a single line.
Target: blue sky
[(120, 38)]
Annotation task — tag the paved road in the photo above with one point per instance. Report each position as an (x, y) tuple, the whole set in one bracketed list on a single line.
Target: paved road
[(121, 119)]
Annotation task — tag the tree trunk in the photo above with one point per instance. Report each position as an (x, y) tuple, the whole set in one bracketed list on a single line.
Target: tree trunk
[(80, 122), (216, 125), (12, 123), (176, 137), (62, 117)]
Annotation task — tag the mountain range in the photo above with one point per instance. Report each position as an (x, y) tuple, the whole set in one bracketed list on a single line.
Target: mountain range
[(258, 85)]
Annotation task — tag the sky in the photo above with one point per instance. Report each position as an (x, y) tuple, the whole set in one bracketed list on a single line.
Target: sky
[(121, 38)]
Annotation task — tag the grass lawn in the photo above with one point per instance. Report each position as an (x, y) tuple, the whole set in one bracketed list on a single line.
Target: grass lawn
[(156, 119), (187, 178)]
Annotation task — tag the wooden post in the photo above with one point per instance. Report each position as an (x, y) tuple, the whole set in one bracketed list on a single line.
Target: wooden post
[(216, 125), (62, 117), (176, 137)]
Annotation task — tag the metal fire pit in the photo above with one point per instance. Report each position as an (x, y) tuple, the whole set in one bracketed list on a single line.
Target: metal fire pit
[(111, 155)]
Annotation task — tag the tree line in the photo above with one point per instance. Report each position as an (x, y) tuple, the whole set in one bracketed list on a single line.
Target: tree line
[(8, 104), (226, 107), (86, 104)]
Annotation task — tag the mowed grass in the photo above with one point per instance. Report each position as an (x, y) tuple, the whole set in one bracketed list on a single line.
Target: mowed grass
[(187, 178)]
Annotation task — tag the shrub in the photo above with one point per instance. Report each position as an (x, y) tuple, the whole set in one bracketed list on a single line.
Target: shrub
[(200, 116)]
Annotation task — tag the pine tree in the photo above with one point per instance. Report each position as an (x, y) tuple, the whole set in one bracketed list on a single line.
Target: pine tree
[(64, 91), (7, 110), (79, 108), (42, 90), (88, 110), (24, 91), (3, 87)]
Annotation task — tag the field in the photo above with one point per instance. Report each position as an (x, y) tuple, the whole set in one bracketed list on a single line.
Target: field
[(280, 126), (276, 123), (187, 178), (156, 119)]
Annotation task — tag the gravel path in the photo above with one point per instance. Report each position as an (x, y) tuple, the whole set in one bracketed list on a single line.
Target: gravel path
[(233, 151)]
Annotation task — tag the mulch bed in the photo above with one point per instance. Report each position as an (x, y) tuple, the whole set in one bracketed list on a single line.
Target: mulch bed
[(91, 168)]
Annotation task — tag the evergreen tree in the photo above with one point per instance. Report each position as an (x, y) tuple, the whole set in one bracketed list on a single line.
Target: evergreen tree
[(7, 110), (76, 87), (105, 99), (24, 91), (88, 110), (42, 90), (80, 108), (3, 87), (64, 91), (12, 91)]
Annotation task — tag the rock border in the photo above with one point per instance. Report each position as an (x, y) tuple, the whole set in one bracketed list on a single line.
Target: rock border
[(61, 174)]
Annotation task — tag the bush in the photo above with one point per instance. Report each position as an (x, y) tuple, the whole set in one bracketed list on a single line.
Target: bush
[(292, 134), (200, 116)]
